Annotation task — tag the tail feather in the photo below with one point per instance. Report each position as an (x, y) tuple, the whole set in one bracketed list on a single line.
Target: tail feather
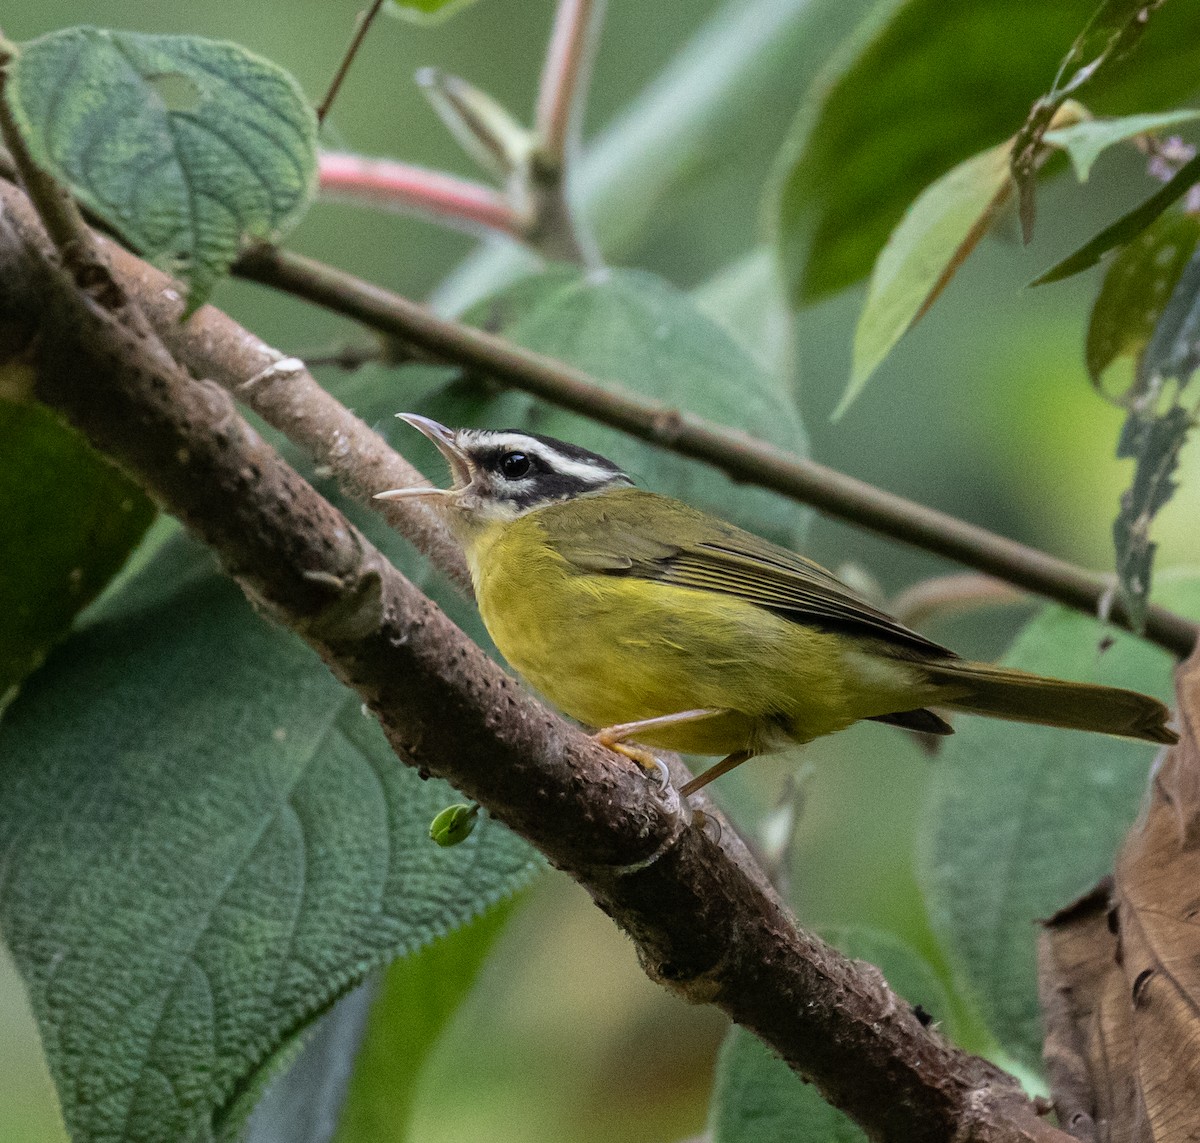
[(1002, 692)]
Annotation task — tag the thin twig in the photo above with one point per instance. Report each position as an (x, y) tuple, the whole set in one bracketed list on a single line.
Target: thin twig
[(364, 21), (735, 453)]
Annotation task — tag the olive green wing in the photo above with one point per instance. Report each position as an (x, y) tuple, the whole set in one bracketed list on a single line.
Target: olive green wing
[(655, 538)]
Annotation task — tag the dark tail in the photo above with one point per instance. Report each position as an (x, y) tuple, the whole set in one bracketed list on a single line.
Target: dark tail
[(1005, 693)]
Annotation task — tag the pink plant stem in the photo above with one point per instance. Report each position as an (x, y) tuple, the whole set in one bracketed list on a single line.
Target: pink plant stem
[(405, 187), (565, 75)]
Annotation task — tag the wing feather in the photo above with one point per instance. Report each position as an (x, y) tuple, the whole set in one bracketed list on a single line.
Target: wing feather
[(618, 534)]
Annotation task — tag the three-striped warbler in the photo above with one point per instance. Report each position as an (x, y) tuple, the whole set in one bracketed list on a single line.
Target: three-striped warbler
[(664, 626)]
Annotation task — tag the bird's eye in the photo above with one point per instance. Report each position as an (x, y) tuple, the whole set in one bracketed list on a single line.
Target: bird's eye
[(515, 465)]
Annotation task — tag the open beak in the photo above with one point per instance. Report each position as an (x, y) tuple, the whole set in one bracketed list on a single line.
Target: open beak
[(443, 438)]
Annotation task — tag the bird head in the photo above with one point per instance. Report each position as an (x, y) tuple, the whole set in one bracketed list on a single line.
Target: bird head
[(502, 474)]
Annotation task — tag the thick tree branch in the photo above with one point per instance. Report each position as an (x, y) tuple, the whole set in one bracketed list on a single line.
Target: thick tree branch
[(704, 923), (735, 453)]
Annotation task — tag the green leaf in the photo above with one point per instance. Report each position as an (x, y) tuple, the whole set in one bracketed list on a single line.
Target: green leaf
[(419, 996), (1023, 819), (1136, 288), (902, 105), (1154, 434), (203, 843), (757, 1098), (68, 520), (1114, 30), (633, 331), (923, 253), (1085, 141), (185, 146), (1126, 228)]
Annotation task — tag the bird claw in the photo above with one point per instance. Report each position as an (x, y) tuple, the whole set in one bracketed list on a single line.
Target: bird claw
[(658, 773), (709, 824)]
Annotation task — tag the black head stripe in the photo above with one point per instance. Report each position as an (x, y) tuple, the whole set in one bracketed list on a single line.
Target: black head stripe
[(548, 488)]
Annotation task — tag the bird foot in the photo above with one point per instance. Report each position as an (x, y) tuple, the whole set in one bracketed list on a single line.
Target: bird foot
[(653, 766)]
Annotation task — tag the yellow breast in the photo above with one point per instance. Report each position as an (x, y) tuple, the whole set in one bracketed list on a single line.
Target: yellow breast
[(612, 649)]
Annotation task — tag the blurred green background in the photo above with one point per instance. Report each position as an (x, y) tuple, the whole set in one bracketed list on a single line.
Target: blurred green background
[(984, 411)]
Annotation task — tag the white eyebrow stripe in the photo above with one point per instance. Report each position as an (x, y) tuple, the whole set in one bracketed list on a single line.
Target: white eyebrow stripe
[(580, 469), (511, 440)]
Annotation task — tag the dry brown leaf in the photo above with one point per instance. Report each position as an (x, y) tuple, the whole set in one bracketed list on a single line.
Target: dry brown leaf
[(1089, 1049), (1119, 970)]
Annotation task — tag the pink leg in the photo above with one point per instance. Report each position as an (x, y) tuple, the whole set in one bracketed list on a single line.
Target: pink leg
[(722, 767), (611, 736)]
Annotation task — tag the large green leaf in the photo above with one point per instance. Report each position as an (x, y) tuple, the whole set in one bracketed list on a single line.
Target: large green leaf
[(357, 1076), (757, 1098), (1023, 819), (203, 843), (923, 253), (747, 299), (925, 88), (633, 331), (183, 145), (68, 519)]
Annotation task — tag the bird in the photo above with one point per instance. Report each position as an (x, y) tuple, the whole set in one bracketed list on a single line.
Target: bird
[(661, 626)]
